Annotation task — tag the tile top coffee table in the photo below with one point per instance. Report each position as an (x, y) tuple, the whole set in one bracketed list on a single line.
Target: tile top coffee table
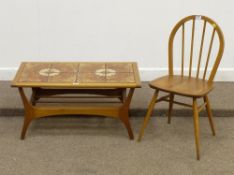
[(55, 82)]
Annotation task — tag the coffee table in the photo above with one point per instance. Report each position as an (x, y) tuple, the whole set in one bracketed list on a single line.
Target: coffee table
[(71, 88)]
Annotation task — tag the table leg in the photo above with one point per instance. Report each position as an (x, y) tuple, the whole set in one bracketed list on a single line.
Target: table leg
[(32, 112), (34, 97), (124, 113), (123, 95), (28, 108)]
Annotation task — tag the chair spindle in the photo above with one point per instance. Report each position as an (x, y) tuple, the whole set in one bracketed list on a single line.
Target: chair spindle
[(191, 50), (182, 61), (208, 56), (201, 48)]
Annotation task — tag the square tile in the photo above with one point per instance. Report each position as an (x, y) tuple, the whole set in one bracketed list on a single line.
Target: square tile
[(91, 67), (121, 78), (33, 77), (90, 78), (63, 77), (35, 67), (65, 67), (35, 72), (120, 67)]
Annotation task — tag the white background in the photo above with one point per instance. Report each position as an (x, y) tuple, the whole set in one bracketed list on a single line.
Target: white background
[(103, 30)]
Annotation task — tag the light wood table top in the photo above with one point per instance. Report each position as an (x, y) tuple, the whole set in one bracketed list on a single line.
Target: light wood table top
[(77, 80), (78, 75)]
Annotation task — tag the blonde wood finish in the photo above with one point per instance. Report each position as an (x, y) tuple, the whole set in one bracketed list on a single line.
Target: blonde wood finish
[(148, 115), (116, 111), (208, 56), (201, 107), (170, 107), (191, 50), (180, 103), (209, 113), (119, 80), (217, 31), (201, 49), (163, 98), (186, 85), (196, 128), (182, 50), (52, 92), (28, 116), (182, 85)]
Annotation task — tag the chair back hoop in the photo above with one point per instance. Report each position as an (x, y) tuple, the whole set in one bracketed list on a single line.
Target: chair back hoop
[(180, 26)]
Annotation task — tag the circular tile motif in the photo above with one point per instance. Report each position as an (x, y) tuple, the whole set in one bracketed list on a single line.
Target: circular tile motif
[(105, 72), (49, 72)]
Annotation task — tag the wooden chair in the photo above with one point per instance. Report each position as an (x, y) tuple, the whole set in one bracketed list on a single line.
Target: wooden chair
[(189, 85)]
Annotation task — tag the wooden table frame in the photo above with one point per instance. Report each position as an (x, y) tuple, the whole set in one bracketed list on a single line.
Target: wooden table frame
[(110, 89), (33, 112)]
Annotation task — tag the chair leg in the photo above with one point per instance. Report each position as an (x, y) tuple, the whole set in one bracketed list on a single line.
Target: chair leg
[(208, 109), (148, 114), (196, 127), (170, 108)]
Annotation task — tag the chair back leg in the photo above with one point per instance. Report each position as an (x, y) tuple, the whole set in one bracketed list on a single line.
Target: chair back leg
[(170, 107), (209, 113)]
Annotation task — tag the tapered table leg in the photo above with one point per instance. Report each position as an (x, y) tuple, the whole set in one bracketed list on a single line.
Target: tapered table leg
[(28, 110), (32, 112), (124, 113), (27, 121)]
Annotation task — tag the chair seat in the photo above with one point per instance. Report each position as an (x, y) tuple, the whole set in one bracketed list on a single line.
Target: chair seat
[(182, 85)]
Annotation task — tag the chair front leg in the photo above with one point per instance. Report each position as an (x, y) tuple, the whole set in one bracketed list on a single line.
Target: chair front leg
[(196, 127), (148, 114), (209, 113), (170, 108)]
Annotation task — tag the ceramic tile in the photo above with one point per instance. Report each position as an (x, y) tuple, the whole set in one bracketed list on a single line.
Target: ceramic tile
[(120, 67), (90, 67), (35, 67), (63, 77), (121, 78), (65, 67), (68, 73), (33, 77), (90, 78), (34, 72)]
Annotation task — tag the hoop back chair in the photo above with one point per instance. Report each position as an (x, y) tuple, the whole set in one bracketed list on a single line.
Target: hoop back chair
[(186, 84)]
